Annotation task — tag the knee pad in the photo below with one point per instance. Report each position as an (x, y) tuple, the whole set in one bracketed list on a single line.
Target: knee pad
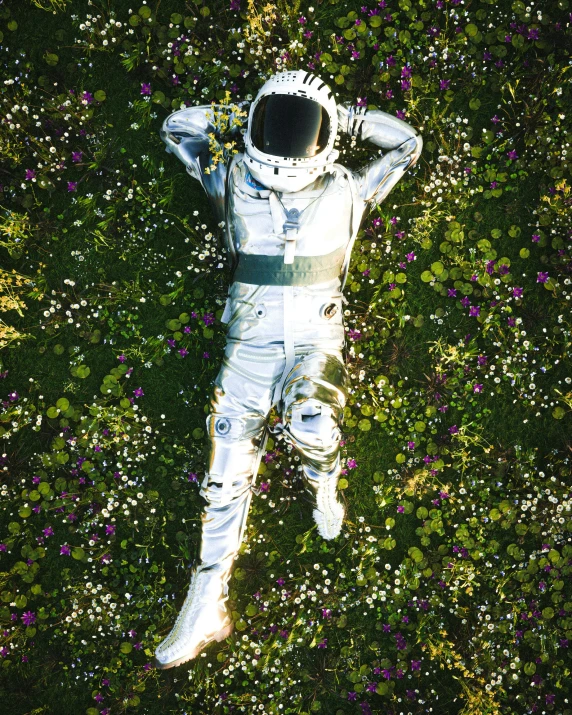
[(314, 424)]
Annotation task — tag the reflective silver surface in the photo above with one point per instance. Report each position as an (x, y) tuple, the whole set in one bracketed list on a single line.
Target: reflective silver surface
[(284, 342)]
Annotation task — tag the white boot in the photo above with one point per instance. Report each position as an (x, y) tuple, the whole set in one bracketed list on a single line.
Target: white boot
[(328, 513), (203, 618)]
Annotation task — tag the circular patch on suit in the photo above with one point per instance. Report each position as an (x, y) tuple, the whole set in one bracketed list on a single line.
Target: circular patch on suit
[(222, 425)]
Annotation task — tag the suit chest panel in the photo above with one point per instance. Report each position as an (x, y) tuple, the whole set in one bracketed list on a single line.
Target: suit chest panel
[(324, 220)]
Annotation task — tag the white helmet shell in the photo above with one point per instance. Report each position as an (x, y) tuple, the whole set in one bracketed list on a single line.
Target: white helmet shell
[(289, 174)]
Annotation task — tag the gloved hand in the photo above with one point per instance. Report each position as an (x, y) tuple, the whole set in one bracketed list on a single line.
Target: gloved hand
[(344, 110)]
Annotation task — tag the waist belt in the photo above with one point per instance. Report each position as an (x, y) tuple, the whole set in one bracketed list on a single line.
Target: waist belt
[(258, 269)]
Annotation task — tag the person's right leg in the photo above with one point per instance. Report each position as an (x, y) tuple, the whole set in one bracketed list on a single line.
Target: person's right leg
[(236, 429)]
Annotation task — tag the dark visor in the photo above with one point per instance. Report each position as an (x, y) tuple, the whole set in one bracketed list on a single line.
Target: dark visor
[(290, 126)]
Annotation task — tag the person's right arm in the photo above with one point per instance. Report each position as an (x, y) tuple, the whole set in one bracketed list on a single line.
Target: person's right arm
[(186, 135)]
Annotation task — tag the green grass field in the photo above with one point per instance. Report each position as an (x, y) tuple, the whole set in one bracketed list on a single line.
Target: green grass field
[(448, 591)]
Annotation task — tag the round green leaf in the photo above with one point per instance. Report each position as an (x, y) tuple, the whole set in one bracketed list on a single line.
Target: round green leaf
[(62, 404)]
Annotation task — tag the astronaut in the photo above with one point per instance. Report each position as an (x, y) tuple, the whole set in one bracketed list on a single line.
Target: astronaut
[(291, 215)]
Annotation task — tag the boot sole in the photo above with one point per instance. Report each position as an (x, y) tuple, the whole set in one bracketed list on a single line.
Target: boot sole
[(218, 636)]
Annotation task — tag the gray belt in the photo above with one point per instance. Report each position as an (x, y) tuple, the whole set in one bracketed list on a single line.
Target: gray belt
[(258, 269)]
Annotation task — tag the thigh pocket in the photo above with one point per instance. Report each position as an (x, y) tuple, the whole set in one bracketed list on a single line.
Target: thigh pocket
[(314, 423)]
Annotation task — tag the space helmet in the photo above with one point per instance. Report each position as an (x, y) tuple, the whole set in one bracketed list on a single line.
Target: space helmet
[(292, 127)]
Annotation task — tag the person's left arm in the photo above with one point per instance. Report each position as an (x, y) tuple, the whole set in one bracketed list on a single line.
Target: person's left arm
[(402, 142)]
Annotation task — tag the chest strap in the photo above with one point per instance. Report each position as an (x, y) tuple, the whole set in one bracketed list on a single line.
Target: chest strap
[(304, 271)]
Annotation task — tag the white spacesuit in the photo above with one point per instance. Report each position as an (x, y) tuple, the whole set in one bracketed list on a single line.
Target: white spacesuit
[(291, 216)]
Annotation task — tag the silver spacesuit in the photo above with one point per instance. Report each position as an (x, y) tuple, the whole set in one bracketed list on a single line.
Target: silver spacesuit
[(291, 214)]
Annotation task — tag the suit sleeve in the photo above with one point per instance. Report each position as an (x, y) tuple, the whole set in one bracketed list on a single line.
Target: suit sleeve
[(186, 135), (402, 142)]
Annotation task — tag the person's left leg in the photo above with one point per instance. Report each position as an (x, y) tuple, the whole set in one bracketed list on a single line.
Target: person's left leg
[(313, 400)]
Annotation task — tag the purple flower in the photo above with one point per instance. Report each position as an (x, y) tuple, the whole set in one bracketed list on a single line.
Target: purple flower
[(72, 185), (415, 665), (451, 292), (465, 301), (516, 292), (400, 509), (453, 429), (512, 154), (110, 529), (280, 581), (477, 388), (475, 310), (542, 277), (444, 84), (411, 445), (352, 464), (138, 392), (87, 97), (30, 174), (28, 618), (323, 643), (482, 359), (400, 114), (76, 155), (354, 334), (65, 550), (352, 696), (146, 88), (410, 256), (48, 531)]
